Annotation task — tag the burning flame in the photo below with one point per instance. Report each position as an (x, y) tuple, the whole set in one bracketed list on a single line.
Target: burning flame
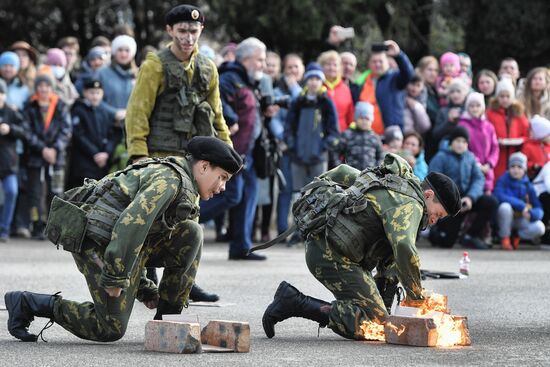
[(373, 330), (449, 331), (433, 302)]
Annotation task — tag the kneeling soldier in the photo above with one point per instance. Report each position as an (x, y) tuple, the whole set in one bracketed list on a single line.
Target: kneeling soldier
[(144, 215), (372, 220)]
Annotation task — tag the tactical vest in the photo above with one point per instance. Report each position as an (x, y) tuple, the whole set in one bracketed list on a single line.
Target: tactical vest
[(329, 208), (104, 203), (181, 111)]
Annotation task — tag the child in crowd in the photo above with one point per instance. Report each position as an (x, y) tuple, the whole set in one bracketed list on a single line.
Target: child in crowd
[(415, 117), (519, 207), (359, 145), (465, 65), (511, 126), (447, 117), (461, 166), (93, 140), (311, 129), (49, 133), (483, 139), (537, 149), (11, 129), (393, 139), (449, 66), (414, 144)]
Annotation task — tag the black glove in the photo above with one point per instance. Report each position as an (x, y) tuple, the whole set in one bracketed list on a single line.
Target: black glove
[(387, 289)]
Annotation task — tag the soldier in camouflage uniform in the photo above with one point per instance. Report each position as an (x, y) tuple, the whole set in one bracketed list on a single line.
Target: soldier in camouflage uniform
[(176, 97), (359, 144), (380, 232), (144, 215)]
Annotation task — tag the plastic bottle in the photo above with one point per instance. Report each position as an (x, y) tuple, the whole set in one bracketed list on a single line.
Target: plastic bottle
[(464, 268)]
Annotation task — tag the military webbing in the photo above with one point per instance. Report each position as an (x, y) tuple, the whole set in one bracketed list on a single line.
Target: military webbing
[(274, 241)]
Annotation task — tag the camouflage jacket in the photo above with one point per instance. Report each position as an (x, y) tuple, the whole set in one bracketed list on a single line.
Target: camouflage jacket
[(387, 231), (159, 197), (360, 148)]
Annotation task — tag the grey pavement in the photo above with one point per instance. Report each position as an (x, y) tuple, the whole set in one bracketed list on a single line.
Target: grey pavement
[(505, 299)]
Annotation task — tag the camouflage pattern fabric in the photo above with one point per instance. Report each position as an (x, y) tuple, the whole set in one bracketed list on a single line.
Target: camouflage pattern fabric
[(143, 236)]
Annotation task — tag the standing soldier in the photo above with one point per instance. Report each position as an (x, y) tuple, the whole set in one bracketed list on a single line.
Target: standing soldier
[(372, 220), (176, 97), (143, 215)]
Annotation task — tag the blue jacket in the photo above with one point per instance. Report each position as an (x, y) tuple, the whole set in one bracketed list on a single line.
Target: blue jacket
[(117, 85), (515, 192), (18, 94), (391, 91), (420, 169), (311, 129), (277, 123), (462, 169)]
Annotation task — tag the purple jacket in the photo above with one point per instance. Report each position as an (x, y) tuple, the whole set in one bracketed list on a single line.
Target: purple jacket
[(483, 143)]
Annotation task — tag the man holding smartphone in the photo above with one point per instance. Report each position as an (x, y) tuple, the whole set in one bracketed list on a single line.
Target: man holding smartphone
[(385, 88)]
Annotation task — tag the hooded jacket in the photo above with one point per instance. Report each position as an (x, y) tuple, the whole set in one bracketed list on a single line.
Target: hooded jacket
[(518, 193)]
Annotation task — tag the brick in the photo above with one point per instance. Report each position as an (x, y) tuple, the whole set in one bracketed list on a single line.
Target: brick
[(415, 331), (234, 335), (172, 337)]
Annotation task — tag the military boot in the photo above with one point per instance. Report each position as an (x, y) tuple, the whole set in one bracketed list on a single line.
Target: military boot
[(22, 307), (165, 308), (290, 302), (198, 294)]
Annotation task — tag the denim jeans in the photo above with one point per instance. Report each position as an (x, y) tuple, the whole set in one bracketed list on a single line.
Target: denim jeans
[(10, 187)]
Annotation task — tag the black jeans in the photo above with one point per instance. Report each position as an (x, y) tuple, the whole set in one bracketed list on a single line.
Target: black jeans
[(445, 232)]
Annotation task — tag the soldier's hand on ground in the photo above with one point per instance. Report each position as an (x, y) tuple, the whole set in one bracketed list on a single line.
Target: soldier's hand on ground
[(4, 129), (152, 303), (393, 48), (113, 292), (120, 115), (101, 159), (233, 129)]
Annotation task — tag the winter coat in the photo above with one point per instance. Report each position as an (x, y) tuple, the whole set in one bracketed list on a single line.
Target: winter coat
[(538, 154), (510, 123), (9, 160), (93, 132), (117, 85), (360, 148), (18, 94), (340, 94), (416, 119), (56, 136), (443, 126), (420, 167), (518, 193), (483, 143), (462, 169), (240, 105), (277, 123), (311, 129)]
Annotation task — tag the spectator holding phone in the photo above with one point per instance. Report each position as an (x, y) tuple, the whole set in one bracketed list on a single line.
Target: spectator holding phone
[(384, 88)]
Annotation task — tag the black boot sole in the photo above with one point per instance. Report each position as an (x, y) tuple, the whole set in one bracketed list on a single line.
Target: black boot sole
[(10, 301)]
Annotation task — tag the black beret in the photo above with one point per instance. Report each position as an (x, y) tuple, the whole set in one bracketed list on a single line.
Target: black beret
[(446, 191), (459, 132), (215, 151), (184, 13), (92, 83)]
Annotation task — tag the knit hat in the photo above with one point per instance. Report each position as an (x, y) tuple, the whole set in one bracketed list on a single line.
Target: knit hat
[(3, 87), (9, 58), (56, 56), (124, 41), (518, 159), (216, 152), (364, 110), (314, 69), (540, 127), (230, 47), (446, 191), (459, 84), (475, 97), (43, 78), (96, 53), (392, 133), (459, 132), (450, 58), (505, 85)]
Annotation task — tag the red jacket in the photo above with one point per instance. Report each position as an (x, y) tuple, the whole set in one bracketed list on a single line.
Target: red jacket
[(537, 154), (508, 124), (341, 96)]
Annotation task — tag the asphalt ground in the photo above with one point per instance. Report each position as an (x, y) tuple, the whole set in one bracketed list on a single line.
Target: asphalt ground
[(505, 299)]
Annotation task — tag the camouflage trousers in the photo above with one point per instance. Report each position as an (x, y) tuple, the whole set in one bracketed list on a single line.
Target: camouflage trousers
[(105, 318), (357, 298)]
